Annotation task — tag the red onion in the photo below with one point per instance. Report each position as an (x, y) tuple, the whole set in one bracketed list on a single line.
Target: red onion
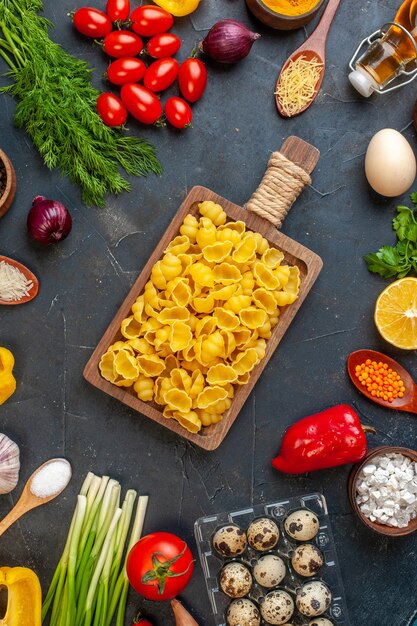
[(228, 41), (48, 221)]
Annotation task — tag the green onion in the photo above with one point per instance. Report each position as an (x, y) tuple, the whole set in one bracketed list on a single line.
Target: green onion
[(90, 582)]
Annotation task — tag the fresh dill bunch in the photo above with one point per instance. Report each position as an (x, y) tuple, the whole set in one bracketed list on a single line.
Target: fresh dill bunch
[(57, 108)]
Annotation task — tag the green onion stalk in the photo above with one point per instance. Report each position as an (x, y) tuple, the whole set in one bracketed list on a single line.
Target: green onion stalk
[(57, 108), (90, 585)]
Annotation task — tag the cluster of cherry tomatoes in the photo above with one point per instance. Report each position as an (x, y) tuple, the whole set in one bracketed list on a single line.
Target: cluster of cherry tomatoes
[(122, 33)]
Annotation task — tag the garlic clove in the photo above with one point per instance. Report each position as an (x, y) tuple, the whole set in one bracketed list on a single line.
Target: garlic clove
[(9, 464)]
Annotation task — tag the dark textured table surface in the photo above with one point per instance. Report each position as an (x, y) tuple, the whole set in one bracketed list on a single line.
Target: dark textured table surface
[(54, 412)]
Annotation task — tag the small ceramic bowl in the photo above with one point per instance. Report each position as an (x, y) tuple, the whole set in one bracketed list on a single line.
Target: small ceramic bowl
[(8, 195), (278, 20), (382, 529)]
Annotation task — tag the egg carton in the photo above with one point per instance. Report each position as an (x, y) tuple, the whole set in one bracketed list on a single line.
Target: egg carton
[(329, 573)]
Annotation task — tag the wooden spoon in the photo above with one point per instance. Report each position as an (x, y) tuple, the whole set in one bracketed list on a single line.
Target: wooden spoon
[(314, 46), (407, 403), (33, 292), (28, 500)]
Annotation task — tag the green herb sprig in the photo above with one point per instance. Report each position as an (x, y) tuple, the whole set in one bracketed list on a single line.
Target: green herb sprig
[(57, 108), (399, 260)]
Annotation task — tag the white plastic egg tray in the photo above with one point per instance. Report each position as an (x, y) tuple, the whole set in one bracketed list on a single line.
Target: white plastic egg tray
[(211, 562)]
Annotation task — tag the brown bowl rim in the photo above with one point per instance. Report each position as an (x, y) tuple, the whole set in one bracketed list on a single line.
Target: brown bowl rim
[(10, 182), (290, 18), (382, 529)]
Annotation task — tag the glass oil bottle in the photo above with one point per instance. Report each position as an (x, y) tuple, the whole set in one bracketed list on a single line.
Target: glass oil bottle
[(392, 52)]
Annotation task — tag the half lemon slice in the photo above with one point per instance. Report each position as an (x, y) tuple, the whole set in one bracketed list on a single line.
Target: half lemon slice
[(396, 313)]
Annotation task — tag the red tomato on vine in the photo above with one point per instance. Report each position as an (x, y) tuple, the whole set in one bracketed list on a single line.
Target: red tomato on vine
[(160, 566)]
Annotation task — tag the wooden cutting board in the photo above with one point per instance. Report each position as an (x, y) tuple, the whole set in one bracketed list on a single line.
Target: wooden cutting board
[(309, 264)]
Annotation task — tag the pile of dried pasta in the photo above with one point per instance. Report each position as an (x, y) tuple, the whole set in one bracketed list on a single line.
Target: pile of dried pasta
[(201, 324)]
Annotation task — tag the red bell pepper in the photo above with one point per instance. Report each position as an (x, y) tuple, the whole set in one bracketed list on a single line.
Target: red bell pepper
[(327, 439)]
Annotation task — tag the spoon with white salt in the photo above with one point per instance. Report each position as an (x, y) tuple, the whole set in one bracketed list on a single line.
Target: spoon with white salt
[(45, 484)]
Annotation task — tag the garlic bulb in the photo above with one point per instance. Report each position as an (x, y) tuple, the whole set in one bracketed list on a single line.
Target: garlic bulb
[(9, 464)]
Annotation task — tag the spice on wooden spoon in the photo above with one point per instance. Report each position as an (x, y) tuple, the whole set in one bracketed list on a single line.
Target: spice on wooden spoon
[(302, 74), (17, 283), (45, 484)]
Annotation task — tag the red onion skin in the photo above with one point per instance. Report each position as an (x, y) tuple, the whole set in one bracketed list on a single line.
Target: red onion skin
[(48, 221), (228, 41)]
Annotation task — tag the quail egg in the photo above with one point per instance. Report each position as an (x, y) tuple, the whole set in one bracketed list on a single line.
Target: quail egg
[(307, 560), (263, 534), (302, 525), (243, 613), (320, 621), (229, 540), (269, 570), (313, 598), (277, 607), (235, 580)]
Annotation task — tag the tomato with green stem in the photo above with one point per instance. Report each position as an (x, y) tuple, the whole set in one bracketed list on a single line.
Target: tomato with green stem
[(178, 112), (111, 109), (142, 103), (118, 10), (126, 70), (122, 43), (161, 74), (149, 20), (192, 79), (163, 45), (92, 22), (159, 566)]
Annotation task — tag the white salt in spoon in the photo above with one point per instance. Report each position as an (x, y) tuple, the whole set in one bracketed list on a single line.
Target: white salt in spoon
[(45, 484)]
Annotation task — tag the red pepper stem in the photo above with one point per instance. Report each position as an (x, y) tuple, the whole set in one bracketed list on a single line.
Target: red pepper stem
[(368, 429)]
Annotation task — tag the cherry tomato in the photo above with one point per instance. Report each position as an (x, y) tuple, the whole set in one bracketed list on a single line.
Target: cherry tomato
[(149, 20), (122, 43), (163, 45), (126, 70), (178, 112), (118, 10), (111, 109), (172, 573), (141, 103), (161, 74), (192, 79), (92, 22)]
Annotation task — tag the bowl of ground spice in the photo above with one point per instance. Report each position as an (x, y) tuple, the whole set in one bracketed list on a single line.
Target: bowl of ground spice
[(7, 183), (285, 14)]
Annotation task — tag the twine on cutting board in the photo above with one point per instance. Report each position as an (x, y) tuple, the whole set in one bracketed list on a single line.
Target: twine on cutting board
[(281, 185)]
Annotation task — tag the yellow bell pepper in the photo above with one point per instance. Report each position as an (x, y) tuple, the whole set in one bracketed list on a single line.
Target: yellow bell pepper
[(178, 7), (24, 597), (7, 380)]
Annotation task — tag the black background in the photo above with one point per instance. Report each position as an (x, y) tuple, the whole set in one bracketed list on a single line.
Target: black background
[(83, 280)]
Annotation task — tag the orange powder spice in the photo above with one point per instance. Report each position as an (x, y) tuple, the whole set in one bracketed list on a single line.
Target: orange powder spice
[(291, 7), (380, 380)]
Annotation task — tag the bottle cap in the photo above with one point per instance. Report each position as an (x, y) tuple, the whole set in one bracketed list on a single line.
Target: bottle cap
[(363, 82)]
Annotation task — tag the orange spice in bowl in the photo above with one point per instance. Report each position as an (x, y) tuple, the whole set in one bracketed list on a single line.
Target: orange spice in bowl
[(291, 7), (380, 380)]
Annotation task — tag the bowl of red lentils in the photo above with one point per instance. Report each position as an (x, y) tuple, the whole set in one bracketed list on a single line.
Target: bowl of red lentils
[(381, 379), (7, 183)]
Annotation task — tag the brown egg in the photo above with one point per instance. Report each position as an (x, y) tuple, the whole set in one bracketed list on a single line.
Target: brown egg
[(243, 612), (277, 607), (263, 534), (229, 540), (313, 598), (307, 560), (235, 580), (302, 525)]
